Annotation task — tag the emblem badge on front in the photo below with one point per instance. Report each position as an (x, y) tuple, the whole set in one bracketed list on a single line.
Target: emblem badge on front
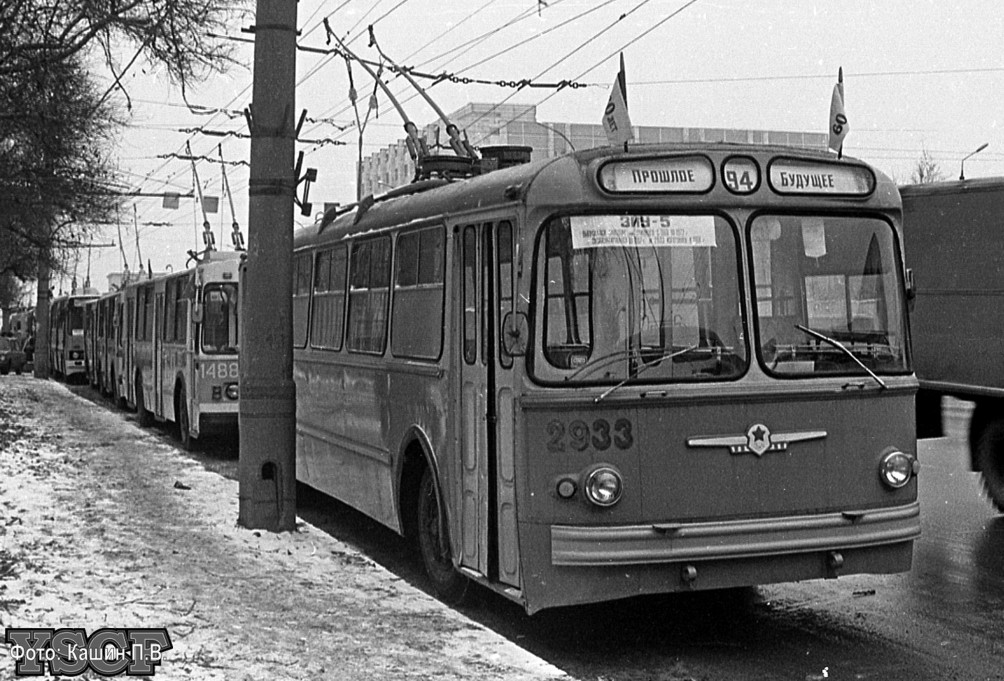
[(757, 440)]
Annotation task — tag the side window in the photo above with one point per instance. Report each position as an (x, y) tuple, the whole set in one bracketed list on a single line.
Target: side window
[(368, 295), (170, 310), (328, 315), (417, 317), (470, 293), (301, 297), (505, 284), (148, 319), (186, 291)]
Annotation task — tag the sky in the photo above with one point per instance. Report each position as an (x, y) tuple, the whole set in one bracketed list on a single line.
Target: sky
[(919, 75)]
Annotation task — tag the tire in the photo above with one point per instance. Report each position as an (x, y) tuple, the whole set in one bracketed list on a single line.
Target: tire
[(184, 424), (988, 451), (117, 397), (449, 585), (143, 415)]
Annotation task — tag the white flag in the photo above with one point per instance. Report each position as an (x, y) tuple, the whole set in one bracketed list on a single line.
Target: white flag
[(838, 116), (616, 121)]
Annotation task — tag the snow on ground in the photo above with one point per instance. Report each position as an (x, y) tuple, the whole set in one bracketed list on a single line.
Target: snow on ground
[(104, 525)]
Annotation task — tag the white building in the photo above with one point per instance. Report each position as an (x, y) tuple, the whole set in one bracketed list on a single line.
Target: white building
[(517, 124)]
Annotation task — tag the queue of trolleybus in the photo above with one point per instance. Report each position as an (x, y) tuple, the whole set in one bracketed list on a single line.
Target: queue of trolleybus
[(613, 373)]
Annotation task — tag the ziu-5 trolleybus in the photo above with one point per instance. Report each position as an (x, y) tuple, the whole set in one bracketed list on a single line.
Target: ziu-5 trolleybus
[(616, 373), (168, 346)]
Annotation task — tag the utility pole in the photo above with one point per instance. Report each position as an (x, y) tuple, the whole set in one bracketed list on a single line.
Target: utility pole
[(267, 464)]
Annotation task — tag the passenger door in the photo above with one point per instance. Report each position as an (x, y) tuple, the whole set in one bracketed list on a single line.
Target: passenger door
[(488, 539)]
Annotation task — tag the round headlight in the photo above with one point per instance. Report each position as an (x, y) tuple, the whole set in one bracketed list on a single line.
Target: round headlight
[(896, 469), (603, 486), (233, 391)]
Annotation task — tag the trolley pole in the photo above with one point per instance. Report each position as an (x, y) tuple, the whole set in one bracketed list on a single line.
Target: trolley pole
[(267, 464)]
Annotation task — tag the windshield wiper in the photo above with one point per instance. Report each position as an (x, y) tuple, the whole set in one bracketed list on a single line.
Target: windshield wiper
[(602, 361), (843, 348), (644, 367)]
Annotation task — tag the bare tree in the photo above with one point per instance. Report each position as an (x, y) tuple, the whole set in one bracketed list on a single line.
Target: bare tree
[(173, 34), (55, 172), (926, 170)]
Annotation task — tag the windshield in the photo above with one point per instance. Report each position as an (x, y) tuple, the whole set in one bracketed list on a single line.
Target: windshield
[(219, 319), (837, 278), (76, 323), (639, 297)]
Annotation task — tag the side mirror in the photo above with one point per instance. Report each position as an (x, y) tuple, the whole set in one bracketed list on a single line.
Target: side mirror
[(515, 333), (197, 313)]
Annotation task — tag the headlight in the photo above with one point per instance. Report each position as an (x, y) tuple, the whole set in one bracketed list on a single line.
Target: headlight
[(232, 391), (897, 468), (603, 486)]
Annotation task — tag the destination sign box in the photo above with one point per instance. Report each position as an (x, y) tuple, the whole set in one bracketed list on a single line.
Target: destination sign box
[(689, 174), (660, 231), (801, 177)]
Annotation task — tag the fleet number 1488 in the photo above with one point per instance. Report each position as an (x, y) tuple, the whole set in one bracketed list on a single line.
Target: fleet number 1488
[(219, 370)]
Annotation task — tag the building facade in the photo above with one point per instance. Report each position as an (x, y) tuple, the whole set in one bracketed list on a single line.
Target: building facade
[(517, 124)]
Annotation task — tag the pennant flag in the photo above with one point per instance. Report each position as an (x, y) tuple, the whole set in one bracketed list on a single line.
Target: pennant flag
[(616, 121), (838, 117)]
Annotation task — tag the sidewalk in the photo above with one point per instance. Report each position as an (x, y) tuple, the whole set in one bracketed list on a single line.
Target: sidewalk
[(104, 525)]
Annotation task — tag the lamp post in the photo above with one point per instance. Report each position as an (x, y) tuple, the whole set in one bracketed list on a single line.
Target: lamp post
[(962, 167)]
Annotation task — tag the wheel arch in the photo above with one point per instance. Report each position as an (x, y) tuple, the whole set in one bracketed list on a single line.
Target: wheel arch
[(415, 455)]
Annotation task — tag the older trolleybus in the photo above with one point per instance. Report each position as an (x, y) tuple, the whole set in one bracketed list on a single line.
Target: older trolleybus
[(617, 372), (66, 335), (167, 346)]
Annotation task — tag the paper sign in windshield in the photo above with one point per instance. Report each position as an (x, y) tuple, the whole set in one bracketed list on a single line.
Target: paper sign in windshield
[(663, 231)]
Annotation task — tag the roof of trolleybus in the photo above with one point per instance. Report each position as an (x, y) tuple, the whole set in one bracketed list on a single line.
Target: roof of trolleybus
[(572, 180)]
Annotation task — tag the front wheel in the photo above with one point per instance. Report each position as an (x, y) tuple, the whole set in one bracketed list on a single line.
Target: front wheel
[(434, 545), (143, 415), (184, 424), (988, 448)]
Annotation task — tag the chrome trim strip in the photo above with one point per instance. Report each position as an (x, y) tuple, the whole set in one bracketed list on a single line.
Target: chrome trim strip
[(723, 540)]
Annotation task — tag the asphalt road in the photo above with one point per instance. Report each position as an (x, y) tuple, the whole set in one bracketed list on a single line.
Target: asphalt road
[(943, 620)]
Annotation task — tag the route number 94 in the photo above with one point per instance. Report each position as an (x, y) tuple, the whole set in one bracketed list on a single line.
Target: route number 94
[(220, 370), (741, 175), (579, 435)]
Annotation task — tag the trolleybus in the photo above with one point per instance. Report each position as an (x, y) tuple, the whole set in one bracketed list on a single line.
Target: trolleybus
[(614, 373), (66, 335), (167, 346)]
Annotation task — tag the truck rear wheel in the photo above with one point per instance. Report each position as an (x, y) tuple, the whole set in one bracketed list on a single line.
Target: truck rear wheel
[(988, 449)]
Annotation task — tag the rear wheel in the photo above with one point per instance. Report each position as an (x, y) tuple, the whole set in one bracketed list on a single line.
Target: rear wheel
[(120, 400), (434, 545), (143, 415), (988, 449)]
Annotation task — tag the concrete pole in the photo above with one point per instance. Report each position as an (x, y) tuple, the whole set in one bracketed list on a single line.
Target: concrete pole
[(42, 332), (267, 464)]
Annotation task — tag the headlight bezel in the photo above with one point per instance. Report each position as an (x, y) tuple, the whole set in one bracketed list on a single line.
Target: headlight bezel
[(897, 469), (603, 486)]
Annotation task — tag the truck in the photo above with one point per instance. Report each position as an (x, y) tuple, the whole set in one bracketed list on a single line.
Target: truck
[(954, 252)]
